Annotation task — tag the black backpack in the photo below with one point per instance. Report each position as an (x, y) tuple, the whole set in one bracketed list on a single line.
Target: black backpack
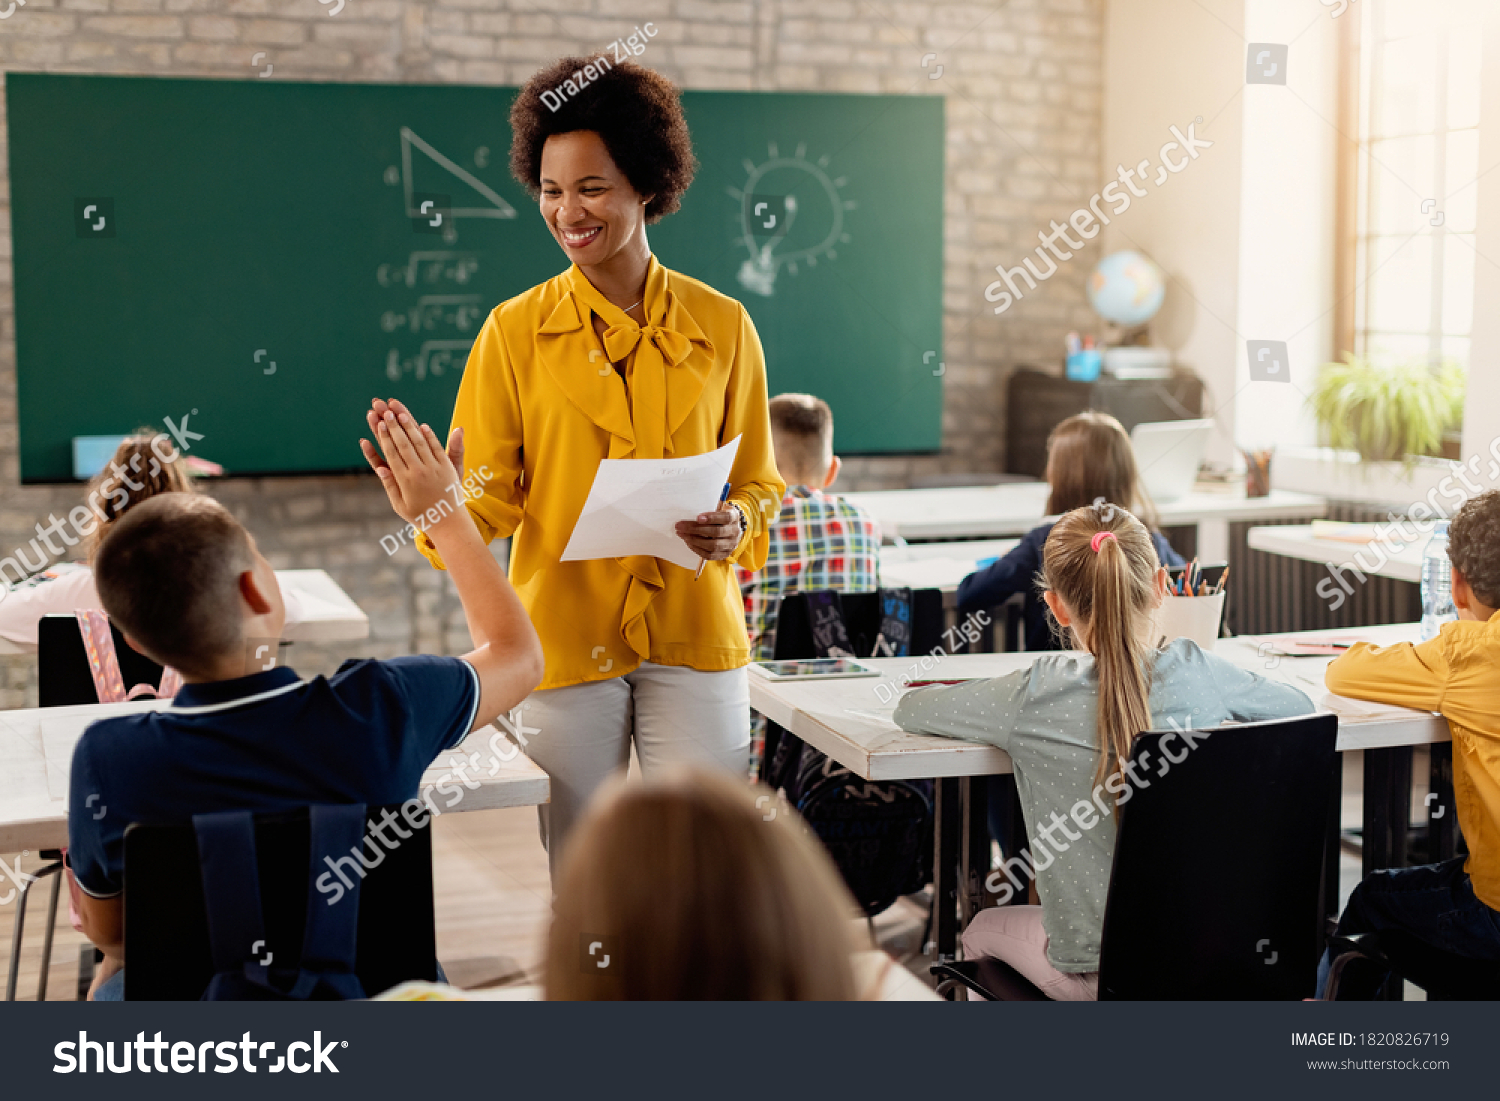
[(879, 833), (244, 967)]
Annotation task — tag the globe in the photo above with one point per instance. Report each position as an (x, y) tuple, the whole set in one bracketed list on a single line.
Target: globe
[(1126, 288)]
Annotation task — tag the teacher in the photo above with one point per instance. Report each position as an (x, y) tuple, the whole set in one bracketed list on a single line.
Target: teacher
[(617, 358)]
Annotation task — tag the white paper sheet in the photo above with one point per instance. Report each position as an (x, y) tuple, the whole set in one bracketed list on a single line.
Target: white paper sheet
[(635, 505)]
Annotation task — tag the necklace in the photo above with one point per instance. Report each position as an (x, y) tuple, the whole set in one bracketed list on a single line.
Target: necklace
[(629, 308)]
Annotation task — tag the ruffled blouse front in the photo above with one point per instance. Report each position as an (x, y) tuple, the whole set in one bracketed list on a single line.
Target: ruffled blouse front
[(541, 405)]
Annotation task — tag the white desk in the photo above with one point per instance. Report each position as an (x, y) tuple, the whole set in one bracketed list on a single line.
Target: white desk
[(938, 565), (327, 614), (36, 753), (849, 721), (1015, 508), (1296, 541), (819, 712)]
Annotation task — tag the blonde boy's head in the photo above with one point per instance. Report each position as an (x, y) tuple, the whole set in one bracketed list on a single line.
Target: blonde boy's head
[(802, 436)]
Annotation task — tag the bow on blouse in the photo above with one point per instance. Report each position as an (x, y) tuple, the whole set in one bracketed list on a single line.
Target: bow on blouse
[(648, 377), (666, 381)]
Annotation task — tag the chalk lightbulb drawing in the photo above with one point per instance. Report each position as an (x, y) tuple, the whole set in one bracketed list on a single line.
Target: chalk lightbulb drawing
[(791, 213)]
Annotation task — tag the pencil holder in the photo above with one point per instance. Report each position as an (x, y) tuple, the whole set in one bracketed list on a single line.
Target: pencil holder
[(1194, 617)]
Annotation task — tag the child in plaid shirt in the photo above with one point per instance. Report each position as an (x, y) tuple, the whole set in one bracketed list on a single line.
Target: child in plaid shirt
[(819, 541)]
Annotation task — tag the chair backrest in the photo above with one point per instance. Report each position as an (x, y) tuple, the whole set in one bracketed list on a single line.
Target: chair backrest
[(63, 676), (1215, 890), (862, 612), (168, 956)]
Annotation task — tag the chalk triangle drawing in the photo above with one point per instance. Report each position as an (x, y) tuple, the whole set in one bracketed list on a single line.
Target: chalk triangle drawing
[(500, 209)]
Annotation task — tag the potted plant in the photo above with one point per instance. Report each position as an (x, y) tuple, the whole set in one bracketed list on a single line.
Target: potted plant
[(1388, 414)]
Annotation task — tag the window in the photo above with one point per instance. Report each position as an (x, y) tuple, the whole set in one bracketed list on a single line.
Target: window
[(1416, 168)]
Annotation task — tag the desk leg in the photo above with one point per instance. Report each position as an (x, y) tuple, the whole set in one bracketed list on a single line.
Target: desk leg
[(1387, 808), (975, 846), (1331, 851), (1442, 817), (57, 877), (947, 823), (17, 932), (1387, 819)]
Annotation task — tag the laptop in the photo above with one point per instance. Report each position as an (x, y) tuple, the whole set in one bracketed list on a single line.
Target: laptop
[(1168, 453)]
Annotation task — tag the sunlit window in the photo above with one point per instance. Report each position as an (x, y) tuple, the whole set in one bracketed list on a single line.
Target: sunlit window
[(1418, 163)]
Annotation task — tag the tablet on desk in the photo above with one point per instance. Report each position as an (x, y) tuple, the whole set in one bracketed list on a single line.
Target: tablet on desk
[(813, 669)]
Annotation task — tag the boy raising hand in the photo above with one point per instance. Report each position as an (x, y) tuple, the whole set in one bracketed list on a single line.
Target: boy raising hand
[(187, 586)]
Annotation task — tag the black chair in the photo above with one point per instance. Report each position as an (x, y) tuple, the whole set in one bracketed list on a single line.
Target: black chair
[(167, 950), (63, 676), (794, 638), (1216, 886), (1444, 977)]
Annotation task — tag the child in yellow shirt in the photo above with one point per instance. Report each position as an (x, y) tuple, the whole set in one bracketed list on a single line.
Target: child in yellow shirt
[(1455, 905)]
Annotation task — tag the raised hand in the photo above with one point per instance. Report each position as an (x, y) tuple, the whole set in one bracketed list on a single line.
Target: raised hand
[(416, 472)]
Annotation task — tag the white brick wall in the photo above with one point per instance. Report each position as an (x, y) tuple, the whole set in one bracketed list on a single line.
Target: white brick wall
[(1022, 79)]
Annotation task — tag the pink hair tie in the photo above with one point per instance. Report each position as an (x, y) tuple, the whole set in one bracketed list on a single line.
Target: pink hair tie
[(1099, 538)]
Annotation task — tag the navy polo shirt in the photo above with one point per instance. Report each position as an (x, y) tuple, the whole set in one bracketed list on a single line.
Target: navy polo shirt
[(266, 742)]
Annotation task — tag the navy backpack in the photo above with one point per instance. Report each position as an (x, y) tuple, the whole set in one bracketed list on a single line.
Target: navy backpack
[(245, 965)]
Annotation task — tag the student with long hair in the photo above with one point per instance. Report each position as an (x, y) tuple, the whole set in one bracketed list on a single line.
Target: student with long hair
[(1068, 722), (1089, 459), (689, 887), (144, 465)]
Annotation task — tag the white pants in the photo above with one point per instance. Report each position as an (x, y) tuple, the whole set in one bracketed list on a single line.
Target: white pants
[(674, 714), (1015, 935)]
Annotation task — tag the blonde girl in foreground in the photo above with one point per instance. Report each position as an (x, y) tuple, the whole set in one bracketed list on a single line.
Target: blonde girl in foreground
[(1068, 721)]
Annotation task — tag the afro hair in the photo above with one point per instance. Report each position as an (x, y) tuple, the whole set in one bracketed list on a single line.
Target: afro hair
[(634, 111)]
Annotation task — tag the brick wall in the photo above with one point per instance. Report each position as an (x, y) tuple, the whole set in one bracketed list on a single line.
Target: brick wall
[(1023, 84)]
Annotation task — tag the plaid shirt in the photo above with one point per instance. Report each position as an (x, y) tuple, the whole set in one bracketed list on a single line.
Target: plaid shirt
[(818, 542)]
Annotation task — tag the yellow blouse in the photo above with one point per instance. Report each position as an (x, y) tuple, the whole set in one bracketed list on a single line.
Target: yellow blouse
[(540, 406), (1457, 673)]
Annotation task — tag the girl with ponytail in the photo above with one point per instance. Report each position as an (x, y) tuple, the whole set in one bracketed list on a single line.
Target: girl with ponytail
[(1068, 722)]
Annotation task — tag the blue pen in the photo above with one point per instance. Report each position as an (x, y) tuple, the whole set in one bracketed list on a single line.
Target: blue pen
[(704, 561)]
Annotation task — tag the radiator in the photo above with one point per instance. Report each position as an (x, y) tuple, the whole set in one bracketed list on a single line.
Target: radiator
[(1272, 593)]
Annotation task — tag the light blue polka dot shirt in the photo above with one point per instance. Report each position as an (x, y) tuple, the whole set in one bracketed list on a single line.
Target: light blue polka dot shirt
[(1045, 717)]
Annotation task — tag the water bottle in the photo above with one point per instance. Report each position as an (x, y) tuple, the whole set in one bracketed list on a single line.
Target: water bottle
[(1437, 583)]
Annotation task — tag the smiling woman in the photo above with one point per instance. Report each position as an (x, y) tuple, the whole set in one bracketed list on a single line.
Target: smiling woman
[(637, 650)]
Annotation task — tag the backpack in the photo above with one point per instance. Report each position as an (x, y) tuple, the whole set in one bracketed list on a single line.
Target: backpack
[(245, 966), (104, 663), (879, 833)]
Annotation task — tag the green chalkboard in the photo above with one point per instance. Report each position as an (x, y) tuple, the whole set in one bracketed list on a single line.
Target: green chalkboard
[(252, 254)]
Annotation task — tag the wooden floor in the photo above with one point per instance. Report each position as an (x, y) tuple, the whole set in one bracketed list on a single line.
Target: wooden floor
[(492, 896)]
